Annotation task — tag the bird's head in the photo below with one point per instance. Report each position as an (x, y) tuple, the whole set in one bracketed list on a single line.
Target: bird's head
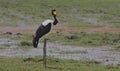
[(54, 12)]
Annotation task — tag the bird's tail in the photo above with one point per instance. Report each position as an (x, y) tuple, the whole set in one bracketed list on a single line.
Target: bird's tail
[(35, 42)]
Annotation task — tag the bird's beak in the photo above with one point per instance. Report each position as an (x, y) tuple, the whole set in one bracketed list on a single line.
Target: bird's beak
[(54, 12)]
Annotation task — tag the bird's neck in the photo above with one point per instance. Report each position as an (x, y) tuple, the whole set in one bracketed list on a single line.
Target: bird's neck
[(55, 20)]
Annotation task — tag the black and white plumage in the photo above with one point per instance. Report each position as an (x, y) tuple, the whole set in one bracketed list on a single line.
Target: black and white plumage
[(43, 29)]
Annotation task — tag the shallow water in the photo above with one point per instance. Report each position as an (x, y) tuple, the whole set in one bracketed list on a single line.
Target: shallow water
[(102, 54)]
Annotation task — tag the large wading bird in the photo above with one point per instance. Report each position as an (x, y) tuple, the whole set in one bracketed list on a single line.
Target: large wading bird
[(44, 28)]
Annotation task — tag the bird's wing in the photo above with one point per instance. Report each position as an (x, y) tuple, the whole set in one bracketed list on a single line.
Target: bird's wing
[(42, 30)]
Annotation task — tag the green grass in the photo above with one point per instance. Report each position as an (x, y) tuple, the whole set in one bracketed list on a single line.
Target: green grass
[(53, 64), (87, 39), (115, 48), (2, 47), (72, 52), (25, 43), (75, 39), (32, 12)]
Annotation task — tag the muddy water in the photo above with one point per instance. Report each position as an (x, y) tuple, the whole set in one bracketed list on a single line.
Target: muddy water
[(8, 48)]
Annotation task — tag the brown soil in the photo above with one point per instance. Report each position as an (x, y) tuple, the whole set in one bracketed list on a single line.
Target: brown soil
[(60, 29), (102, 29)]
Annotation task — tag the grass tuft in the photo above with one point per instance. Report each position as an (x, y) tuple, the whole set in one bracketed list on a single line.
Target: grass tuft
[(25, 43)]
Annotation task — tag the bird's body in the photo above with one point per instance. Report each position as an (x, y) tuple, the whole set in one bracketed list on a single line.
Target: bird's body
[(43, 29)]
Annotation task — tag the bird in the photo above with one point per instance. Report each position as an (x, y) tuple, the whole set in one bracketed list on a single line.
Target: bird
[(44, 29)]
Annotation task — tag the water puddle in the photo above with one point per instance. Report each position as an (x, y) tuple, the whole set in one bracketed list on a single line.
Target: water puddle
[(101, 54)]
